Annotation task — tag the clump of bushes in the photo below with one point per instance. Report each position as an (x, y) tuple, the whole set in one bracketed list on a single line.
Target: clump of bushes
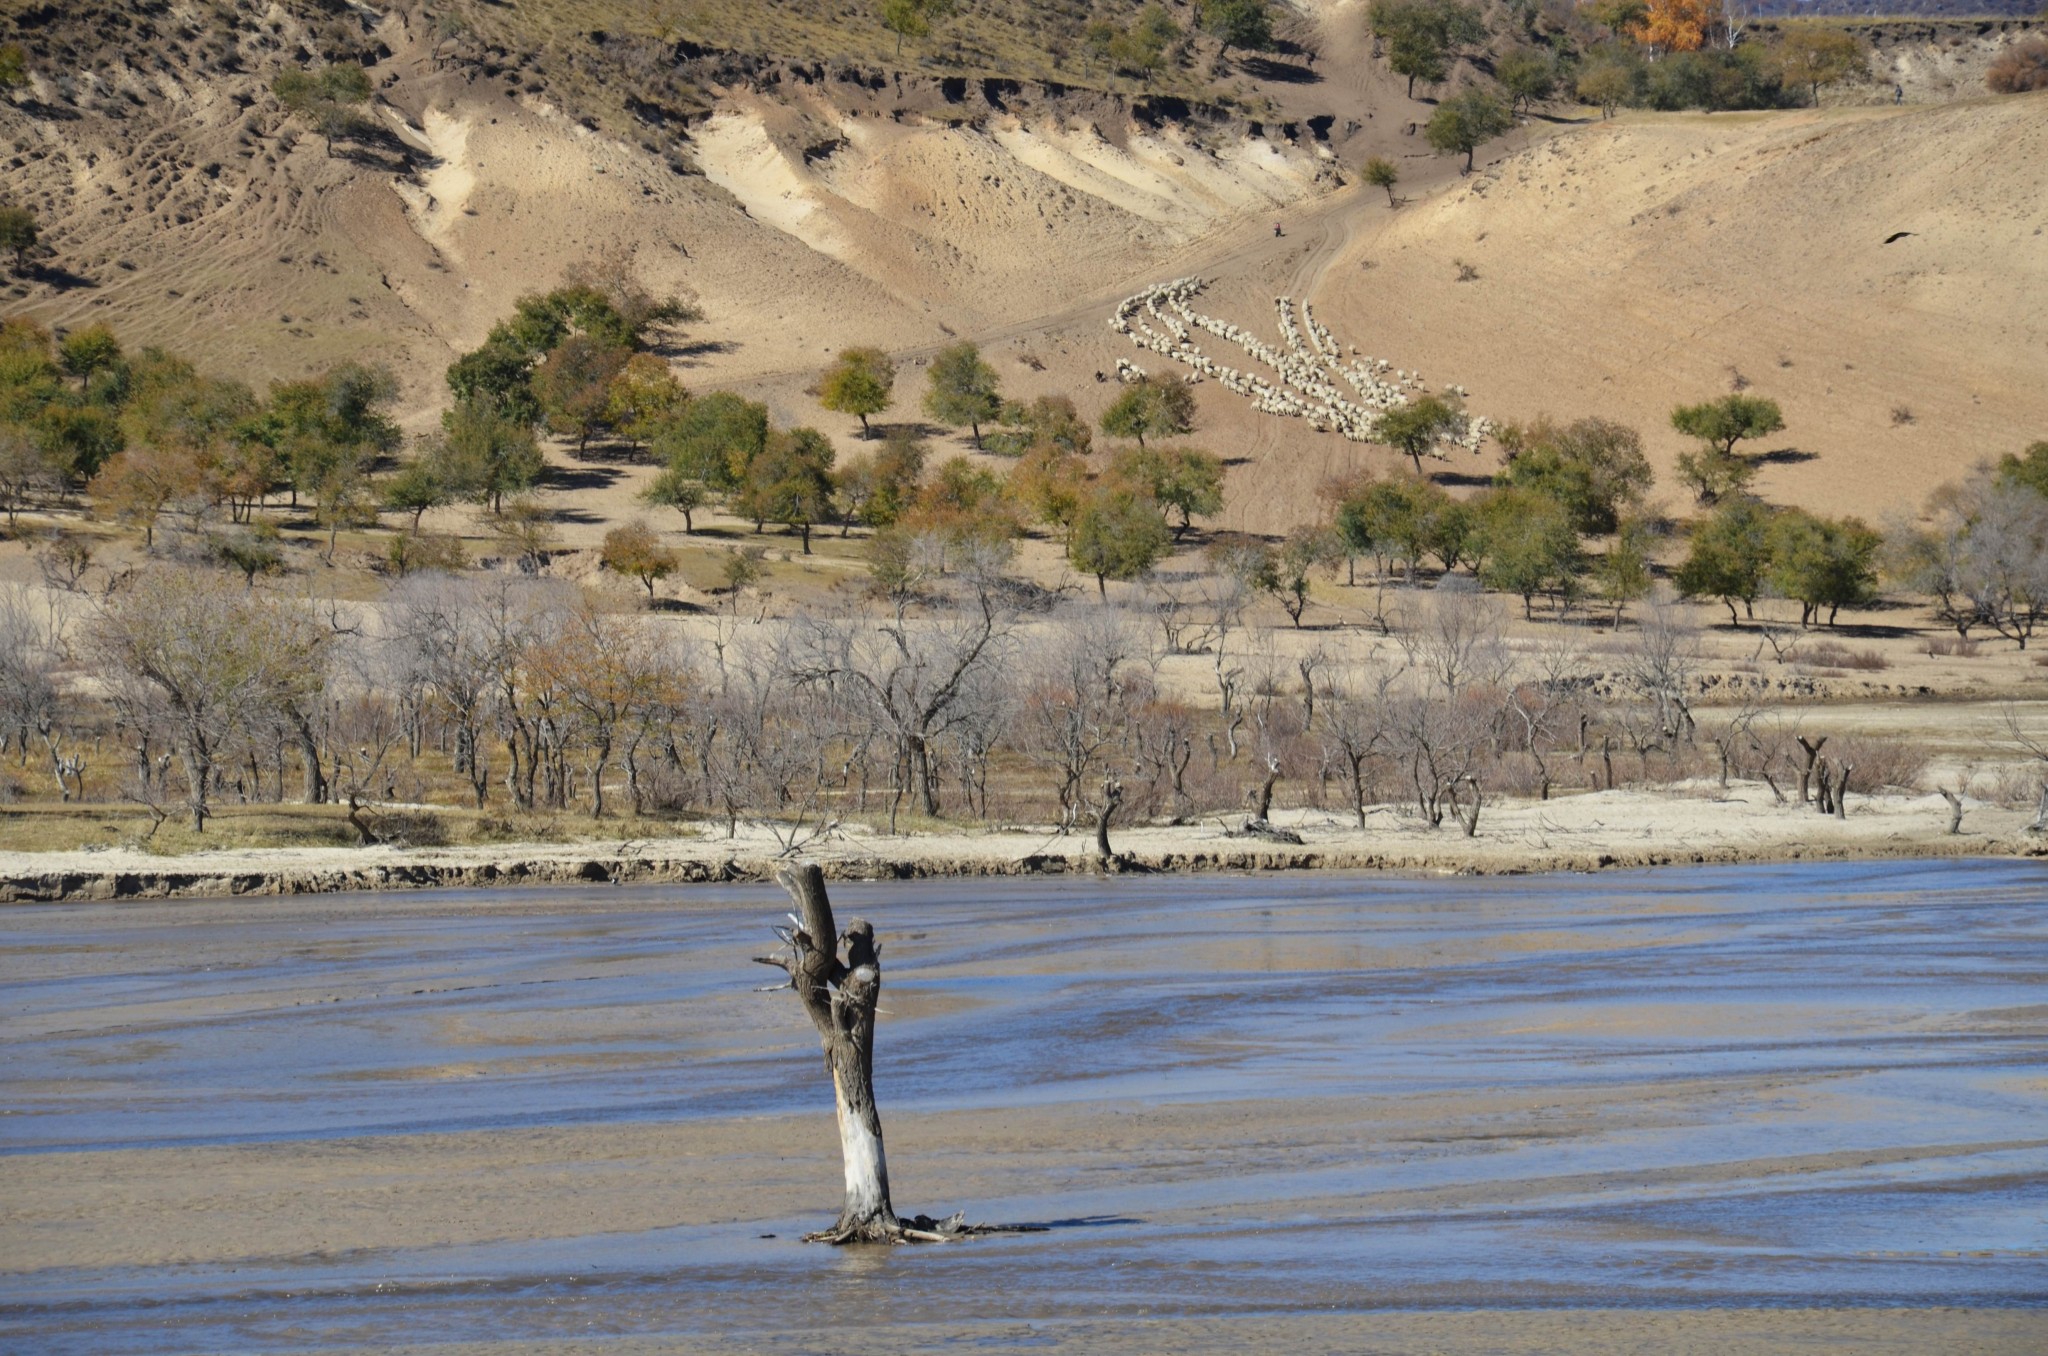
[(2021, 68)]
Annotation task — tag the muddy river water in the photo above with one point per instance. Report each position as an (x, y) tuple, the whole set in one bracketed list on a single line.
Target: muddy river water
[(1713, 1109)]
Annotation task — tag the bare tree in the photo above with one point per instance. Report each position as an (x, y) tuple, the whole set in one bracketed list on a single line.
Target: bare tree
[(919, 680), (1353, 722), (1661, 665), (837, 976), (192, 657), (1457, 641), (1083, 687), (30, 661)]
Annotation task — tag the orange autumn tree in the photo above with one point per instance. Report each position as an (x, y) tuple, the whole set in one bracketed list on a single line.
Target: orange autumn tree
[(1676, 25)]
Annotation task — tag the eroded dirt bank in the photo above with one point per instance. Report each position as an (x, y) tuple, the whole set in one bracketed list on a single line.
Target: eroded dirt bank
[(1594, 832)]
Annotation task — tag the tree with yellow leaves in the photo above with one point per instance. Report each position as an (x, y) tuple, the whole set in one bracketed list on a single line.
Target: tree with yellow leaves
[(1676, 25)]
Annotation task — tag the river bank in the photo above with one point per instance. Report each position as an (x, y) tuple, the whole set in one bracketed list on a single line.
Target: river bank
[(1700, 825)]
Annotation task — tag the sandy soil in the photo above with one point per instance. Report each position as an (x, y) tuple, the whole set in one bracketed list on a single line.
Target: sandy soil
[(1583, 832), (1622, 267)]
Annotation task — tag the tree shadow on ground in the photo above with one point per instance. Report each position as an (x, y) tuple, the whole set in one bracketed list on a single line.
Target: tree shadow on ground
[(1464, 479), (613, 454), (582, 478), (1784, 456), (1280, 72), (60, 279), (689, 353)]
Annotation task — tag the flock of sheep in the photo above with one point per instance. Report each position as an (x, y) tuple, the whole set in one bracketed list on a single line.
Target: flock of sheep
[(1308, 370)]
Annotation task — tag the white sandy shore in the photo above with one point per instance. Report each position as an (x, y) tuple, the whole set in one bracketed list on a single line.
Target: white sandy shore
[(1574, 833)]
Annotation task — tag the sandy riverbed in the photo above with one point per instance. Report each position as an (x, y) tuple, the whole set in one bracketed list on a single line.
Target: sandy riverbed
[(1728, 1109)]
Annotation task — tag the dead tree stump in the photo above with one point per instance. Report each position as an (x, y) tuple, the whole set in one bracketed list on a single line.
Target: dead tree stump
[(837, 976)]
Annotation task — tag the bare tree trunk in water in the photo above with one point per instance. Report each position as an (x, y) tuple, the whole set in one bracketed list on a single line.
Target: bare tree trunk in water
[(839, 997), (838, 977)]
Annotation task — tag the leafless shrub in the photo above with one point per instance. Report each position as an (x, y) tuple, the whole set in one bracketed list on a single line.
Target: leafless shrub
[(2021, 68), (1880, 764), (1828, 654), (1954, 647)]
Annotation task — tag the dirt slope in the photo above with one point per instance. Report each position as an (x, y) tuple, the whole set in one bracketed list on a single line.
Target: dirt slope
[(1620, 267)]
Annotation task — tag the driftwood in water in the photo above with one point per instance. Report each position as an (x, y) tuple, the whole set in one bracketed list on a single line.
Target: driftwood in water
[(837, 976)]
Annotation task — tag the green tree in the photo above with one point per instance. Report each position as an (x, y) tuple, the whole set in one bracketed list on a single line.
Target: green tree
[(643, 398), (715, 439), (1814, 55), (1051, 486), (791, 482), (879, 489), (2029, 468), (1180, 479), (1414, 429), (1606, 80), (251, 550), (1727, 421), (1381, 172), (913, 18), (1048, 421), (1465, 122), (1419, 55), (1823, 562), (1730, 550), (1247, 24), (634, 549), (680, 491), (1400, 518), (1140, 49), (1118, 534), (1304, 550), (84, 352), (20, 234), (1160, 406), (1527, 546), (1421, 36), (1619, 17), (484, 456), (573, 384), (78, 439), (859, 383), (1528, 74), (963, 389), (327, 98), (1715, 471), (1623, 573), (414, 489), (1594, 467), (343, 499), (13, 65)]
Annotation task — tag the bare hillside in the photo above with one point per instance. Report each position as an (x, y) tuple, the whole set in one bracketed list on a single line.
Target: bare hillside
[(1875, 269)]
